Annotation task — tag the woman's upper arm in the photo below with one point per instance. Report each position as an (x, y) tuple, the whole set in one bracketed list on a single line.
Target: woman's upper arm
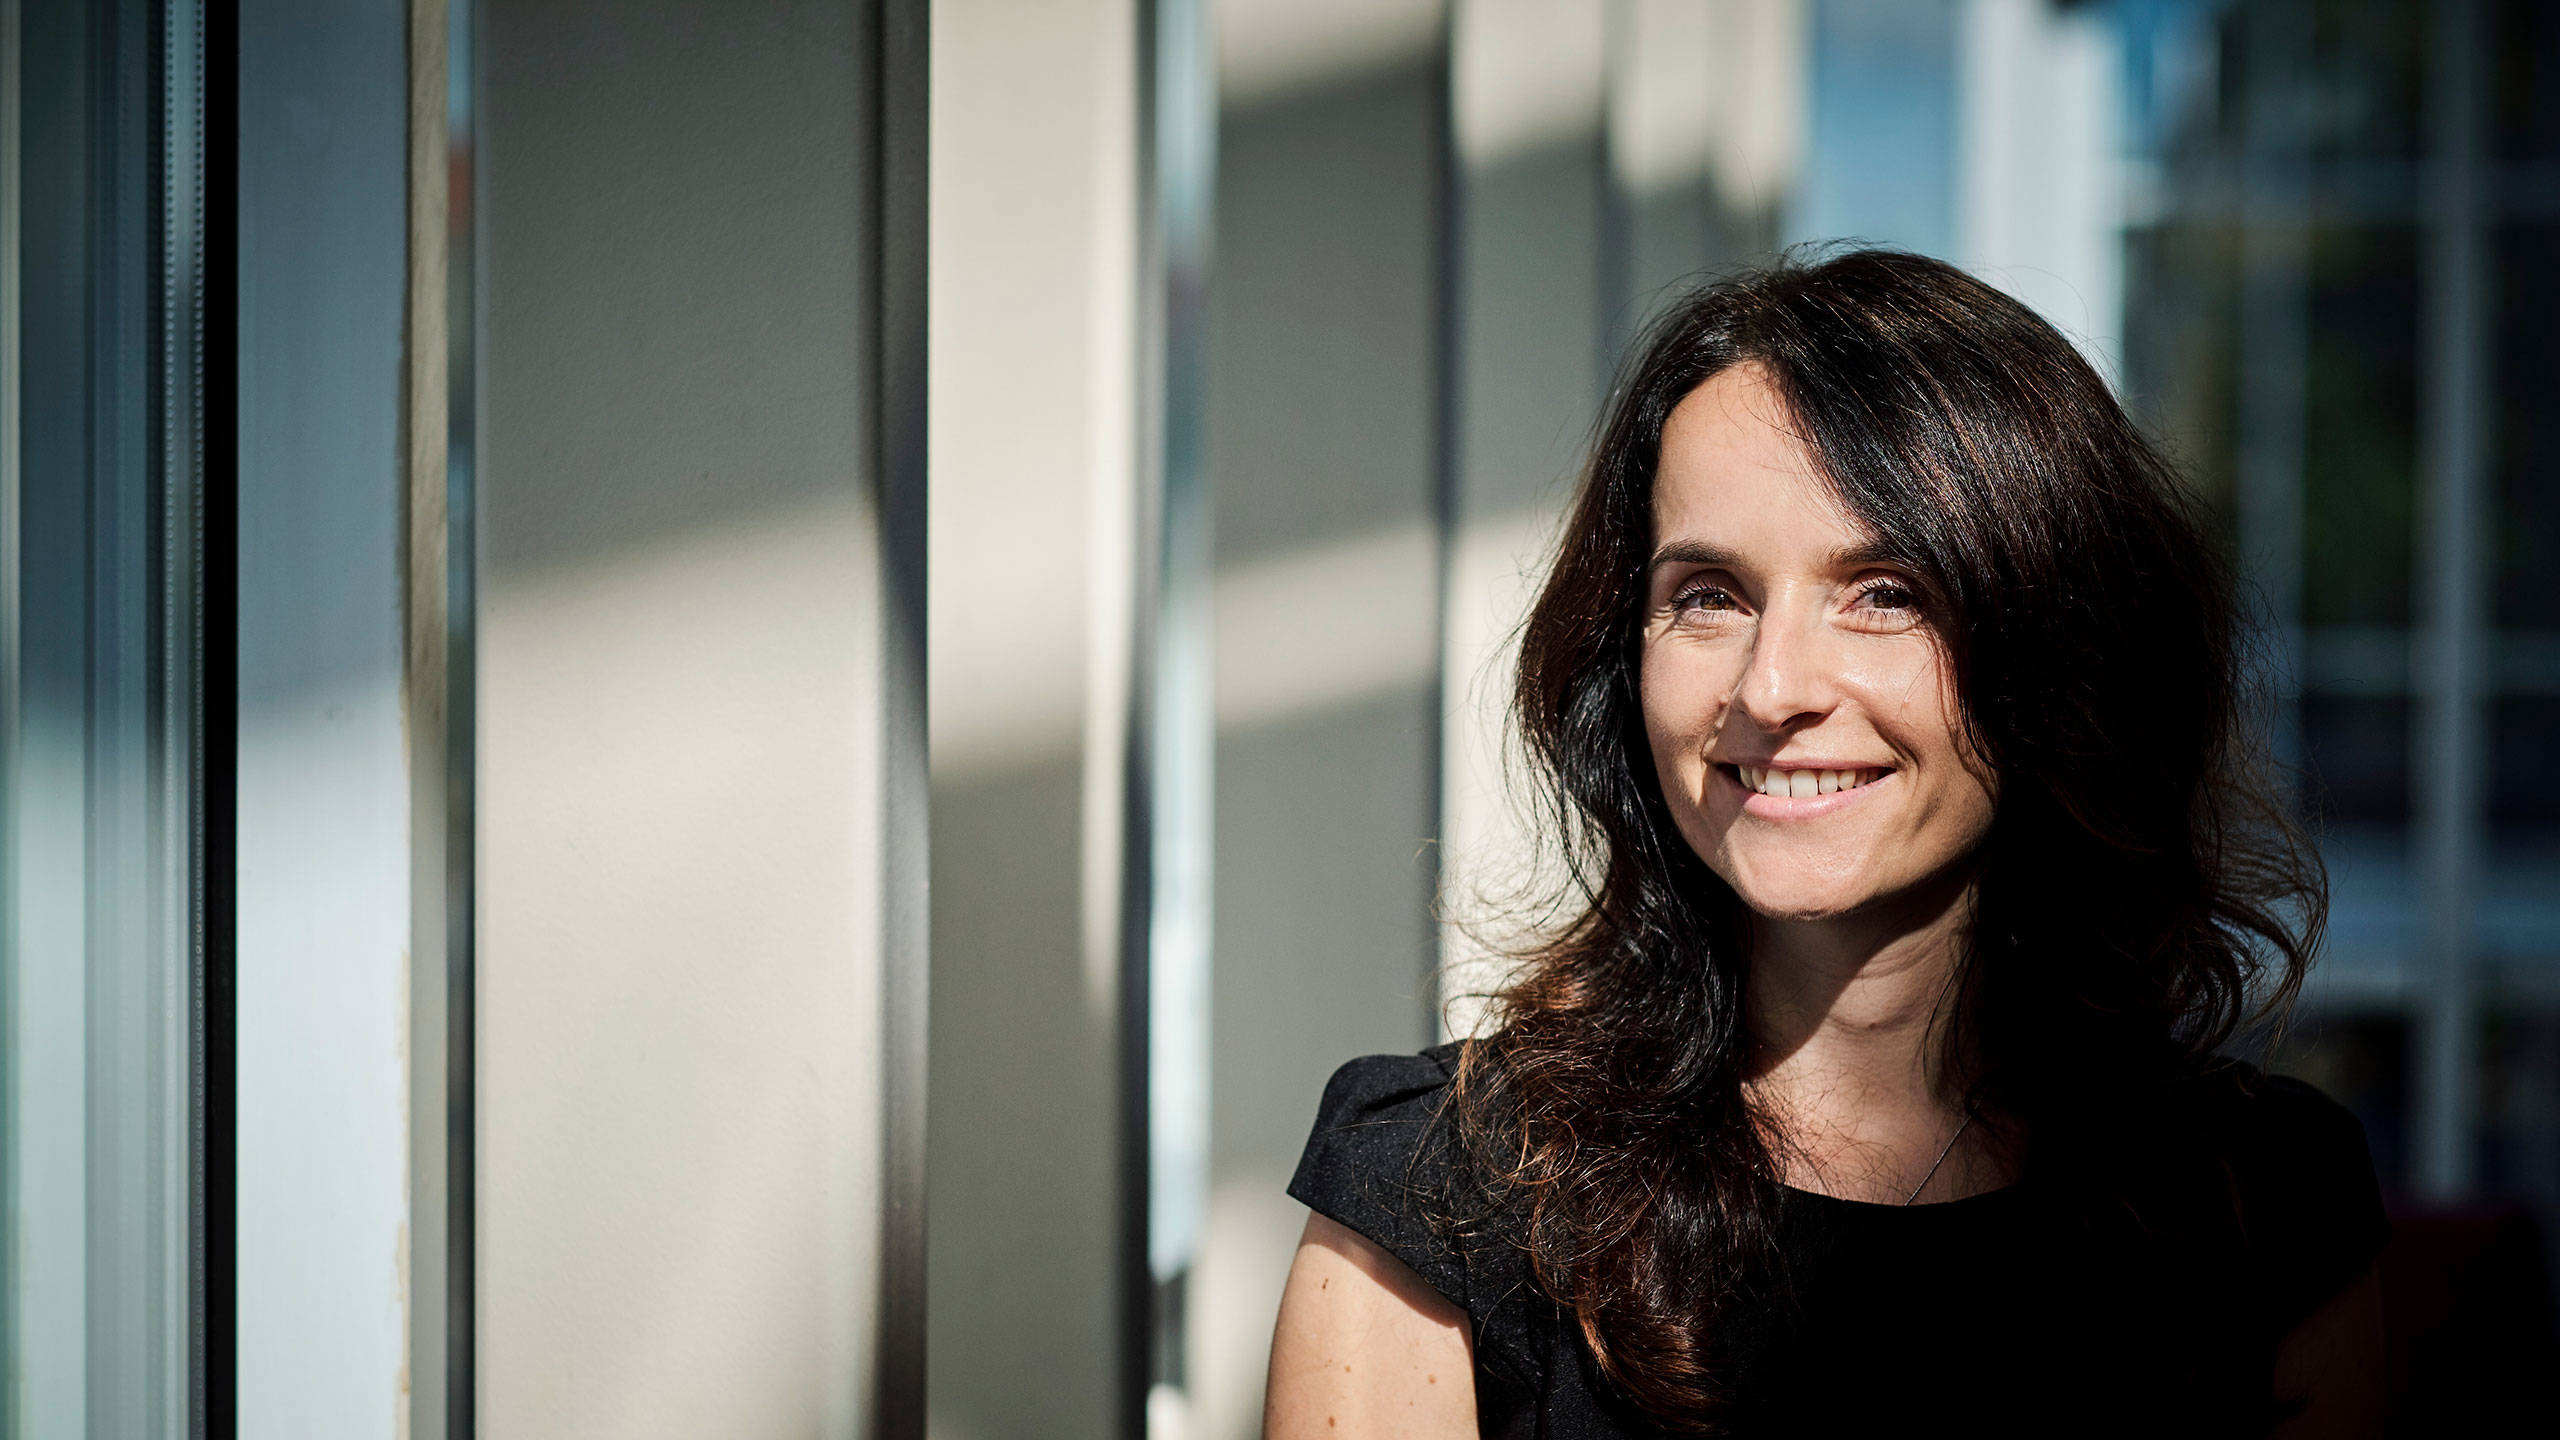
[(2332, 1366), (1364, 1347)]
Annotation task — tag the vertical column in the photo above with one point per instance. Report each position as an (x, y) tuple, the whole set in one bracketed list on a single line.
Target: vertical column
[(1323, 365), (2039, 187), (2275, 322), (439, 557), (899, 135), (1033, 423), (1533, 340), (1168, 819), (2452, 656), (1705, 123), (696, 720)]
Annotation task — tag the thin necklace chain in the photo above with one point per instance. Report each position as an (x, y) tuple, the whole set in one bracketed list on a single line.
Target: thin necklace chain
[(1942, 1157)]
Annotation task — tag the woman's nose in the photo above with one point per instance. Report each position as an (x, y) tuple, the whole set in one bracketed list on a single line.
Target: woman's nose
[(1789, 679)]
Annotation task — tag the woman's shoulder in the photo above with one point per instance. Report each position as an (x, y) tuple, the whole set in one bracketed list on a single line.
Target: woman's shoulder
[(2274, 1127), (1385, 1153), (1390, 1090), (1388, 1159), (2299, 1177)]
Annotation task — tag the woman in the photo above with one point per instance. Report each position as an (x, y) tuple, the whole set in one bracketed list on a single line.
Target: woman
[(1886, 699)]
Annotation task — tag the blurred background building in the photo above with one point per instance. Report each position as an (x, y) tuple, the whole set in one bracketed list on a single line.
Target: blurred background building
[(518, 521)]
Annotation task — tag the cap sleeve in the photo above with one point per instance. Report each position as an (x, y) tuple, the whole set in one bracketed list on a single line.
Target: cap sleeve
[(1384, 1161), (2311, 1208), (1377, 1162)]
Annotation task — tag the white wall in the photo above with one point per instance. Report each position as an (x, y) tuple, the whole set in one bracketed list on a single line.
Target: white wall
[(682, 681)]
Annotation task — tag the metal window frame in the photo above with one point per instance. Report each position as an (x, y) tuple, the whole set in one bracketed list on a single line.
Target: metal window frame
[(2451, 661), (441, 553), (116, 560), (1169, 739)]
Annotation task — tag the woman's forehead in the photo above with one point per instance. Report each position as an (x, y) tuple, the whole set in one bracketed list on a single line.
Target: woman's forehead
[(1733, 428), (1732, 463)]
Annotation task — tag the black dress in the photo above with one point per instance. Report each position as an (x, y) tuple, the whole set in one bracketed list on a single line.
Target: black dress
[(2044, 1307)]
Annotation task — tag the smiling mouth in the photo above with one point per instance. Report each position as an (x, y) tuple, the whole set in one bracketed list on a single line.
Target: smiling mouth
[(1802, 784)]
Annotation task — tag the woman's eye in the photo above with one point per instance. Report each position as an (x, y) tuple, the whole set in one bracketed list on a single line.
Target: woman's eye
[(1702, 597), (1893, 598)]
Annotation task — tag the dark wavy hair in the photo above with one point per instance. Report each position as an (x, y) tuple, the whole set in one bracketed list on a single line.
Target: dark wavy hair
[(2142, 898)]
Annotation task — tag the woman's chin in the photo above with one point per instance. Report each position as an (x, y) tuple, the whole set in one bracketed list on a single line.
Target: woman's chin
[(1817, 893), (1806, 901)]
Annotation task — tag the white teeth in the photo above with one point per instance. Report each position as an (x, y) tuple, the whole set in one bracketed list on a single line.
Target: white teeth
[(1803, 784)]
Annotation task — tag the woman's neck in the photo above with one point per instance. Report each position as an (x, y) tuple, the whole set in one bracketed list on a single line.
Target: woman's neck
[(1849, 1015)]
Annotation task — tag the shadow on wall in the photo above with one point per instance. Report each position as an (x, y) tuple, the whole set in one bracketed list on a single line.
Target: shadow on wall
[(679, 736), (1324, 343)]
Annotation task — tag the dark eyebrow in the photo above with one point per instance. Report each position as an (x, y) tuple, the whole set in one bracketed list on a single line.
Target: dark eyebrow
[(1694, 552), (1873, 552), (1716, 557)]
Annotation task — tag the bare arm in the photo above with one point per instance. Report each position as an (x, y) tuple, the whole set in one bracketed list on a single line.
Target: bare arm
[(1365, 1348), (2333, 1363)]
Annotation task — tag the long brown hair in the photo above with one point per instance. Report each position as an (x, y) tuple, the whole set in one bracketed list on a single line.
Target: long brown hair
[(2141, 897)]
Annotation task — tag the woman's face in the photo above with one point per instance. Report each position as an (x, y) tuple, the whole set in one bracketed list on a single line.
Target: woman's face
[(1802, 716)]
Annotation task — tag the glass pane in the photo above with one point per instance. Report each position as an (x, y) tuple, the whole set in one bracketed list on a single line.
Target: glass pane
[(2359, 446), (2368, 61), (2182, 352), (2526, 53), (2241, 74), (2520, 1105), (2362, 1061), (2526, 404), (2356, 750), (101, 902), (2524, 762)]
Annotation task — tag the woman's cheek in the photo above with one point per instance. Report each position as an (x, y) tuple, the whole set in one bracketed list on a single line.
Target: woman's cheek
[(1682, 690), (1679, 761), (1672, 764)]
